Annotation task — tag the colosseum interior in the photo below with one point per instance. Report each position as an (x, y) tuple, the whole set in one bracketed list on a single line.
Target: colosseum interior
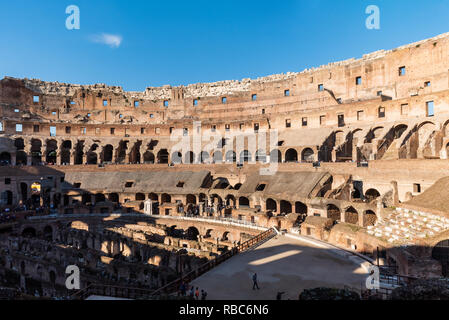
[(141, 188)]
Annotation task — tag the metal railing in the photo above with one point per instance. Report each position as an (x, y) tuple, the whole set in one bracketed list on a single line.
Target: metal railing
[(174, 285), (141, 293)]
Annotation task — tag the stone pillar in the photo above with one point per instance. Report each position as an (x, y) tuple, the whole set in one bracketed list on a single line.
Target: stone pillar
[(334, 155), (29, 160), (72, 158)]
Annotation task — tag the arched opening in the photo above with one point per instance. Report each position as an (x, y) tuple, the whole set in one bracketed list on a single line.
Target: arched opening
[(225, 236), (217, 157), (108, 152), (52, 276), (190, 199), (369, 218), (7, 197), (165, 198), (371, 195), (36, 155), (245, 156), (99, 197), (275, 156), (140, 196), (291, 155), (216, 199), (21, 158), (29, 232), (231, 156), (237, 186), (91, 158), (300, 208), (285, 207), (162, 156), (86, 198), (189, 157), (153, 197), (113, 197), (65, 152), (271, 205), (441, 253), (351, 216), (24, 191), (5, 158), (176, 158), (261, 156), (192, 233), (52, 146), (204, 157), (333, 212), (230, 200), (48, 233), (121, 151), (208, 233), (244, 202), (148, 157), (307, 155)]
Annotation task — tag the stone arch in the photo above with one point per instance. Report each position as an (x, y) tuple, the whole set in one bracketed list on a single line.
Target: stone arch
[(261, 156), (369, 218), (351, 215), (333, 212), (91, 157), (29, 232), (5, 158), (217, 157), (291, 155), (153, 197), (189, 157), (285, 207), (440, 252), (372, 194), (237, 186), (192, 233), (162, 156), (8, 196), (245, 156), (226, 236), (307, 155), (300, 208), (24, 191), (204, 157), (271, 205), (176, 157), (36, 154), (21, 158), (275, 156), (230, 200), (51, 151), (243, 202), (140, 196), (48, 233), (148, 157), (113, 197), (108, 153), (231, 156), (165, 198), (190, 199), (99, 197)]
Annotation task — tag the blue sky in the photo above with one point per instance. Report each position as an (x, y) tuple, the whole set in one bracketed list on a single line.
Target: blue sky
[(181, 42)]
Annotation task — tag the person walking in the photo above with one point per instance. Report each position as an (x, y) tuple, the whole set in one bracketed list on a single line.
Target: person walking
[(255, 284), (203, 294), (197, 293), (192, 292)]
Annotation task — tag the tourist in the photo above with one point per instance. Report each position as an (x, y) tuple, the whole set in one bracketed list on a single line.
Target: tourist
[(192, 292), (197, 293), (279, 295), (255, 285), (203, 294)]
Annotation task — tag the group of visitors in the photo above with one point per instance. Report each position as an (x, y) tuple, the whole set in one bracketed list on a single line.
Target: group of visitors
[(7, 217), (194, 293)]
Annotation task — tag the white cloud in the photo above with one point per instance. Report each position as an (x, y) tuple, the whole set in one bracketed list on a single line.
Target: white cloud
[(112, 40)]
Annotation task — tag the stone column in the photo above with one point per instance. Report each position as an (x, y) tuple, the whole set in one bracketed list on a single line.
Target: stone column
[(334, 155)]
